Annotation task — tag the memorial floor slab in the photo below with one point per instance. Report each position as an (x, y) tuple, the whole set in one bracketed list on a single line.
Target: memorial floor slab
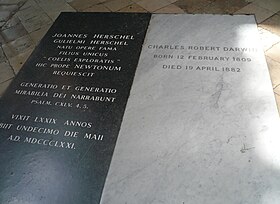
[(24, 22)]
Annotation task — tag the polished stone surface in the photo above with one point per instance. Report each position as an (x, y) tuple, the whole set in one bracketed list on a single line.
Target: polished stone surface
[(29, 12), (266, 11), (195, 131), (61, 115)]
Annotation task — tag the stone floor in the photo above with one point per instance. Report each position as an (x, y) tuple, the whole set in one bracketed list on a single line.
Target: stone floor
[(24, 22)]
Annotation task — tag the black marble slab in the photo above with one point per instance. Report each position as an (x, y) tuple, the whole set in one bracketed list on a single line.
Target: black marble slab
[(60, 117)]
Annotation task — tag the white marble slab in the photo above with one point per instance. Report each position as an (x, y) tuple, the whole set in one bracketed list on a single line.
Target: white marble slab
[(193, 136)]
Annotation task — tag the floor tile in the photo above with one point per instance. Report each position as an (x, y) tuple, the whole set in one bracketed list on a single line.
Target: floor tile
[(54, 13), (37, 35), (170, 9), (29, 10), (11, 22), (133, 8), (260, 13), (272, 5), (97, 8), (190, 6), (2, 55), (80, 5), (116, 5), (268, 39), (18, 46), (213, 9), (12, 30), (33, 17), (2, 41), (54, 7), (11, 2), (274, 52), (104, 1), (4, 86), (49, 4), (17, 61), (28, 3), (7, 10), (6, 72), (172, 1), (153, 5), (36, 22), (272, 24), (274, 70), (225, 6), (4, 16)]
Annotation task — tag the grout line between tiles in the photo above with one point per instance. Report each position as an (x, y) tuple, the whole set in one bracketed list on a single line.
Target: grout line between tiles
[(8, 61), (276, 86), (13, 13), (6, 80)]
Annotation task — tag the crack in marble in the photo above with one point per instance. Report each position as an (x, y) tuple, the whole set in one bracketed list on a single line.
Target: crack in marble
[(86, 153), (217, 95), (231, 138), (244, 149)]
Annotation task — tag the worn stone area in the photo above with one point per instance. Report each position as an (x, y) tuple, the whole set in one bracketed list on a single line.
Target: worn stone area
[(24, 22)]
